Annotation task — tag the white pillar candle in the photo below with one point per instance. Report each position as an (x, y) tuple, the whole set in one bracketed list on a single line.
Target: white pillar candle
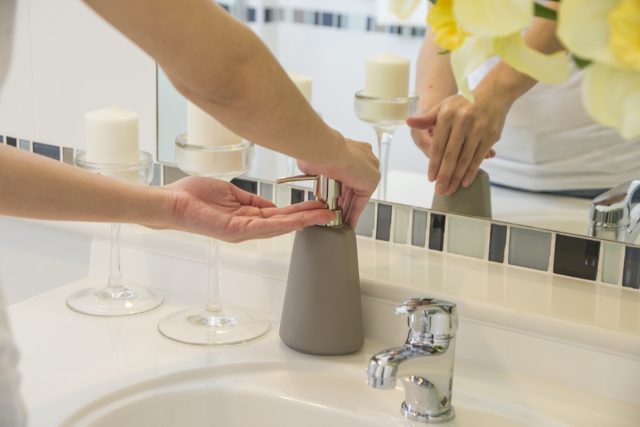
[(111, 136), (303, 83), (202, 129), (386, 76)]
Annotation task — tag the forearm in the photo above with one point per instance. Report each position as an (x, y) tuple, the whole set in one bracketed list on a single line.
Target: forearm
[(435, 79), (235, 77), (36, 187), (503, 83)]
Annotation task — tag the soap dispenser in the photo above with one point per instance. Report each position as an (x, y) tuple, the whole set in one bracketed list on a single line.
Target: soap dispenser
[(322, 313)]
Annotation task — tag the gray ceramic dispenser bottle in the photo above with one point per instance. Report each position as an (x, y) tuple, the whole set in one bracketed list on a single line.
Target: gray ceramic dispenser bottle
[(322, 313)]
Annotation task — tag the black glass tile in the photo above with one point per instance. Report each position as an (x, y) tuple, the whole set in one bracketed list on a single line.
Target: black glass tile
[(1, 139), (251, 14), (316, 18), (419, 228), (51, 151), (369, 23), (497, 242), (339, 21), (576, 257), (383, 225), (268, 15), (436, 232), (327, 19), (12, 141), (297, 196), (631, 270), (311, 196), (246, 185)]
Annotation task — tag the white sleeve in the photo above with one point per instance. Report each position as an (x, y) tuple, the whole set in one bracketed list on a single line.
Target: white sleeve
[(12, 412)]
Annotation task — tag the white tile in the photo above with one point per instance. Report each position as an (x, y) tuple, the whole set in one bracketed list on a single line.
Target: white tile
[(467, 236), (401, 217)]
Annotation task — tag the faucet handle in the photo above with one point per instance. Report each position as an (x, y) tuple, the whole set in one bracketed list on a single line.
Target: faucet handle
[(428, 317)]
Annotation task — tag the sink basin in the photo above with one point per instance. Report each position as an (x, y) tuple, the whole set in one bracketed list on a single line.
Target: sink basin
[(313, 393)]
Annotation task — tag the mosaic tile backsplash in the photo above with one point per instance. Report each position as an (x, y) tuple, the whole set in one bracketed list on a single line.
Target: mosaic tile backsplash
[(323, 18), (554, 252)]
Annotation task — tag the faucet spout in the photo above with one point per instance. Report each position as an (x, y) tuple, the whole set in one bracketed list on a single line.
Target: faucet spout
[(424, 364), (615, 214)]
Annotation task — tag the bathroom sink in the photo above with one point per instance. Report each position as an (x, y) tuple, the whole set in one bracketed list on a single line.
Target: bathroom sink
[(310, 393)]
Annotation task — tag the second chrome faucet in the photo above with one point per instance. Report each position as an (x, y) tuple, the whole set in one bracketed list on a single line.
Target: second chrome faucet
[(424, 363)]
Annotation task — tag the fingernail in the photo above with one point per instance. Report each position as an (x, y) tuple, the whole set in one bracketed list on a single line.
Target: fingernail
[(439, 188)]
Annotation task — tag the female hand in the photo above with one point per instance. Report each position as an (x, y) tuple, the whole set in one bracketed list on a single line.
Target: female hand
[(219, 209), (358, 169), (463, 134), (423, 138)]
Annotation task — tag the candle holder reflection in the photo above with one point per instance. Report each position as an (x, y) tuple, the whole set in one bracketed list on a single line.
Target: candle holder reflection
[(119, 297), (212, 324), (386, 115)]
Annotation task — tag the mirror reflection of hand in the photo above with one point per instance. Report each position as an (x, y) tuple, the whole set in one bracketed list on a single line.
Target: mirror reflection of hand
[(221, 210), (423, 138), (358, 169), (457, 136)]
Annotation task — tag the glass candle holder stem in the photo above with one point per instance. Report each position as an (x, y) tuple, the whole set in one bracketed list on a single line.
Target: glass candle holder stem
[(115, 284), (384, 137), (214, 297)]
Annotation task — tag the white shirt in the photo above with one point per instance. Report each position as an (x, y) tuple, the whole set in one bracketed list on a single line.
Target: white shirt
[(550, 143), (12, 413)]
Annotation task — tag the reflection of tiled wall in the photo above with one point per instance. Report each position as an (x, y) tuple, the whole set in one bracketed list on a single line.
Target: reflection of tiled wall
[(325, 18), (492, 241)]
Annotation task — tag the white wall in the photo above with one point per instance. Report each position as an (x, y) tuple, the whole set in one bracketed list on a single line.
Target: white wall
[(67, 61)]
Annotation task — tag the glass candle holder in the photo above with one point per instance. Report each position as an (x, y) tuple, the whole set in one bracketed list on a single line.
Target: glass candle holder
[(213, 325), (118, 297), (386, 115)]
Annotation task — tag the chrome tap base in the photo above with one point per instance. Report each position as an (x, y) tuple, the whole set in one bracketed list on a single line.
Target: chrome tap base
[(412, 415)]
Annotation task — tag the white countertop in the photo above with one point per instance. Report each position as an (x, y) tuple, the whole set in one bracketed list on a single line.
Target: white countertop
[(550, 323)]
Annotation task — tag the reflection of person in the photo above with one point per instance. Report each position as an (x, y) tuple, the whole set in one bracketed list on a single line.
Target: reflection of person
[(220, 65), (543, 138)]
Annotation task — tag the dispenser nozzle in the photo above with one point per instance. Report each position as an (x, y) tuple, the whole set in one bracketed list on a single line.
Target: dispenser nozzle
[(326, 190)]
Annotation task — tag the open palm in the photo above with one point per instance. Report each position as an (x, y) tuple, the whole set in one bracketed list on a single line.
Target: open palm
[(221, 210)]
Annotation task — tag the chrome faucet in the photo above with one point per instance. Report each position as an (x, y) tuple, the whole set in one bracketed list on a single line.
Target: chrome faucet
[(424, 363), (615, 214)]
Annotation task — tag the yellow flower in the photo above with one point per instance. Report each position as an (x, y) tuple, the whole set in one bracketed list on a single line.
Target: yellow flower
[(448, 34), (624, 20), (607, 33), (476, 30)]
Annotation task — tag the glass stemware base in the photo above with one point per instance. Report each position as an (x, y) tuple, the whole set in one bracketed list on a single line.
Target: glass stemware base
[(202, 327), (105, 301), (213, 325)]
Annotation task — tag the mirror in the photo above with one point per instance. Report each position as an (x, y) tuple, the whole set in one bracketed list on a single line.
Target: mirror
[(331, 47)]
